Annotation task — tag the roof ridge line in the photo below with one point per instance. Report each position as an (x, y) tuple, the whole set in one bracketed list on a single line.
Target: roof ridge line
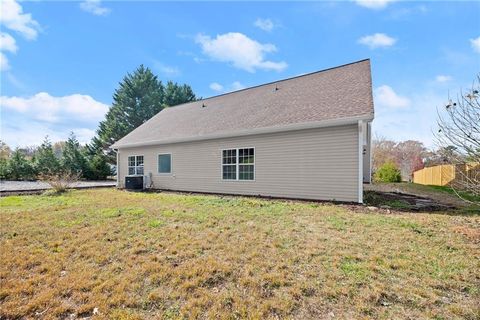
[(272, 82), (281, 80)]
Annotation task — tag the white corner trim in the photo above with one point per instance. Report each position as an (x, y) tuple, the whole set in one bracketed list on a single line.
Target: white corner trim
[(241, 133), (118, 167), (361, 128), (369, 128)]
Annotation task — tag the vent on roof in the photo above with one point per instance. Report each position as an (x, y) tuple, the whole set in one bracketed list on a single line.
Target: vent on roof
[(276, 88), (203, 105)]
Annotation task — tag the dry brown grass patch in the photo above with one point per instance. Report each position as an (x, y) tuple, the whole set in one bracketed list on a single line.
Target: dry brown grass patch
[(136, 256)]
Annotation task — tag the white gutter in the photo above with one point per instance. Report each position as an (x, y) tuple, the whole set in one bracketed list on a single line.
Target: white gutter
[(249, 132)]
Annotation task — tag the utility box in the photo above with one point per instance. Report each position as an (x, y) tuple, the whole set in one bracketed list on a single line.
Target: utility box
[(134, 183)]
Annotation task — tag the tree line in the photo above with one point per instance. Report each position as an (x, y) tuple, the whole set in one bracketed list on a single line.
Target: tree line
[(70, 158), (139, 96)]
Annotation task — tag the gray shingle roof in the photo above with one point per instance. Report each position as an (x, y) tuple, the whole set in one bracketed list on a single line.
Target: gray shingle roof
[(336, 93)]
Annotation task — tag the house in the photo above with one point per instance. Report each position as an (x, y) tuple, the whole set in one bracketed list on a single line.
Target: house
[(306, 137)]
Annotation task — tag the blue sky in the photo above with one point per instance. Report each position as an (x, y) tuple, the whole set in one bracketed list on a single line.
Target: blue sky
[(61, 61)]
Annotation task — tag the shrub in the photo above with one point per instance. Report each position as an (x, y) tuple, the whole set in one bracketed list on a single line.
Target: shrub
[(60, 182), (388, 172)]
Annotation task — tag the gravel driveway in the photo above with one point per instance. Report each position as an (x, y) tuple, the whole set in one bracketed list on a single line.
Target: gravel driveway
[(12, 186)]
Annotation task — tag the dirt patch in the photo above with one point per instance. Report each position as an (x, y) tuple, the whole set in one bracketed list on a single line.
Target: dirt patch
[(419, 191), (404, 202)]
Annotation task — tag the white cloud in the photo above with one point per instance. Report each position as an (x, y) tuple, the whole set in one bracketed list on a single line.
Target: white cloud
[(4, 65), (264, 24), (415, 122), (475, 43), (238, 49), (26, 133), (13, 18), (401, 13), (237, 86), (442, 78), (234, 86), (27, 120), (7, 43), (15, 82), (374, 4), (94, 7), (215, 86), (386, 97), (44, 107), (377, 40), (165, 69)]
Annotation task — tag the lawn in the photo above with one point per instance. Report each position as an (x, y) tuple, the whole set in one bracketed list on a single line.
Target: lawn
[(115, 254)]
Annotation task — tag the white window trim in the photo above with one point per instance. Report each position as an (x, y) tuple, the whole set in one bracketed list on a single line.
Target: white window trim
[(129, 166), (171, 164), (237, 164)]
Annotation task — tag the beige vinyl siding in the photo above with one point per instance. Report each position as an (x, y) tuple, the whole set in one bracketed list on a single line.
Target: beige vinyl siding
[(311, 164)]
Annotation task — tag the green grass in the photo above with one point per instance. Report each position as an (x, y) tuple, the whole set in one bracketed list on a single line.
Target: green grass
[(171, 256), (398, 204), (376, 199), (465, 195)]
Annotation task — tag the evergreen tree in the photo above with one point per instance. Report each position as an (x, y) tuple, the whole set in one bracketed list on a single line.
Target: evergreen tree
[(19, 168), (73, 160), (98, 167), (4, 169), (139, 97), (45, 160), (176, 94)]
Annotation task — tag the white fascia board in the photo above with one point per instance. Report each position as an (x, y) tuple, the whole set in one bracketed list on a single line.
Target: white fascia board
[(249, 132)]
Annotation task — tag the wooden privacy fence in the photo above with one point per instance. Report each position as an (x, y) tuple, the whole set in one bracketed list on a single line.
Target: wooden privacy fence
[(448, 175)]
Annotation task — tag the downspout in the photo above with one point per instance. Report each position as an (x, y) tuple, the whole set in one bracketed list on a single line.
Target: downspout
[(370, 151)]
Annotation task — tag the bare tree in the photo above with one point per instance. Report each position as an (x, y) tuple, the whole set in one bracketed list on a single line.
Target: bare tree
[(5, 150), (383, 150), (408, 155), (459, 133)]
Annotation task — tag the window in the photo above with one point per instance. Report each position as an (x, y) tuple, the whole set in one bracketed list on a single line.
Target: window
[(238, 164), (135, 165), (229, 164), (165, 163)]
